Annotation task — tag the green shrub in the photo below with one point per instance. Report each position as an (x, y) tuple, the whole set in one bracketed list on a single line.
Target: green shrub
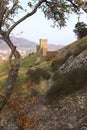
[(36, 75), (68, 82)]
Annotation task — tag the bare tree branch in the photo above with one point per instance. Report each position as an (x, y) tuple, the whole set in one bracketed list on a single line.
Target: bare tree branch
[(8, 12), (26, 16)]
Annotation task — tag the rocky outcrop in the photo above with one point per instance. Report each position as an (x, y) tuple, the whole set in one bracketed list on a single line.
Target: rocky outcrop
[(72, 71), (74, 55), (74, 62)]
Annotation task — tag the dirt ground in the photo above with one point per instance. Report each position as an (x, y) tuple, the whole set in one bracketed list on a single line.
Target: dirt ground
[(66, 113)]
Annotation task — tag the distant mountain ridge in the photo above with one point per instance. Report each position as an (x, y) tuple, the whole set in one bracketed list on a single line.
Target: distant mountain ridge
[(22, 44), (19, 42), (53, 47)]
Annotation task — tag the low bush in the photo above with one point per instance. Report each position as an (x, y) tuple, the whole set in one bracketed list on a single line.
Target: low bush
[(36, 75), (68, 82)]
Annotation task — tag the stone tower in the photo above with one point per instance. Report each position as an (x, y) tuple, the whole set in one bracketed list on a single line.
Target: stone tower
[(43, 46)]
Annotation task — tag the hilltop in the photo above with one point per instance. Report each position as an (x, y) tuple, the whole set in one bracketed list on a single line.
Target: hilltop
[(19, 42), (53, 89)]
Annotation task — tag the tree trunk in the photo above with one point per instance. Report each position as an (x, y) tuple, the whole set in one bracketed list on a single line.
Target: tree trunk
[(12, 73)]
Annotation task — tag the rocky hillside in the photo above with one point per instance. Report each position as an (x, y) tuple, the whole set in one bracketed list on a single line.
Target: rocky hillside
[(56, 93), (70, 68)]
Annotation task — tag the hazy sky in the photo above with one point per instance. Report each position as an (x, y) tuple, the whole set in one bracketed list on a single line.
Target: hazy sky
[(37, 27)]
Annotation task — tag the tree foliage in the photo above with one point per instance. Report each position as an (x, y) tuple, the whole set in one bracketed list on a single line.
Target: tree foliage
[(57, 10), (80, 30)]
